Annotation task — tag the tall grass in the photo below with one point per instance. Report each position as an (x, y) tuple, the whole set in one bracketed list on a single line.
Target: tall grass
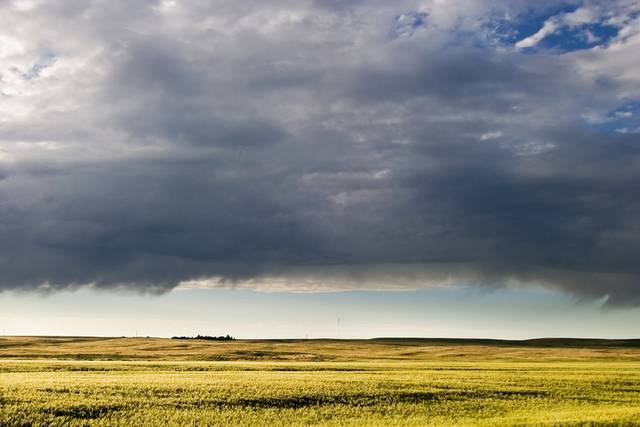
[(70, 381), (330, 393)]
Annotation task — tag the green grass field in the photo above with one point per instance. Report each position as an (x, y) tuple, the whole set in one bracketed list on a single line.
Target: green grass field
[(91, 381)]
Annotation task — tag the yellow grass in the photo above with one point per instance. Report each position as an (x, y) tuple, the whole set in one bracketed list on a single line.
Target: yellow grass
[(70, 381)]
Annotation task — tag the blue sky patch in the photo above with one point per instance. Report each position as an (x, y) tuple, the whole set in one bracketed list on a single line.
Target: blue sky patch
[(530, 22), (407, 23), (564, 38), (624, 119), (583, 37)]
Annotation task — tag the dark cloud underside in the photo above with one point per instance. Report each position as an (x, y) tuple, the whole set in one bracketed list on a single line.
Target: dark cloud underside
[(307, 143)]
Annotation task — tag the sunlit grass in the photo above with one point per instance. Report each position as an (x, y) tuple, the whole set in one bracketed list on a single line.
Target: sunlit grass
[(454, 390)]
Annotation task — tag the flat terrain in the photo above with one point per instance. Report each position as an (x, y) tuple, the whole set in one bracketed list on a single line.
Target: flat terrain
[(126, 381), (317, 350)]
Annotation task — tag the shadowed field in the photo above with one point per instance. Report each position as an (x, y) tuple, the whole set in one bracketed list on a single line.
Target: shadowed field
[(70, 381), (316, 349)]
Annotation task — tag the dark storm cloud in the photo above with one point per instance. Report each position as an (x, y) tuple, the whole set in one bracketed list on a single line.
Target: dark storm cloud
[(297, 146)]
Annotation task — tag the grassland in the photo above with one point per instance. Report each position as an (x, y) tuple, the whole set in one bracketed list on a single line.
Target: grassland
[(92, 381)]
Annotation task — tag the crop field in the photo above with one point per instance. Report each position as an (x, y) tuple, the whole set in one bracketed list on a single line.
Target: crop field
[(93, 381)]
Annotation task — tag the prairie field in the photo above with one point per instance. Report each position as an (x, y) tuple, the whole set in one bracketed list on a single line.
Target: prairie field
[(152, 381)]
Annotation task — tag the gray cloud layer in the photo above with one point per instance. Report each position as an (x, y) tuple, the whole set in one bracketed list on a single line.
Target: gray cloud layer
[(312, 145)]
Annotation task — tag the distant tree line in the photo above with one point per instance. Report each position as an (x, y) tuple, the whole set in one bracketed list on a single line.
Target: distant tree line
[(206, 337)]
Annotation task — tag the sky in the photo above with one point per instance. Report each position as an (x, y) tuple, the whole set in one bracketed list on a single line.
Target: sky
[(413, 168)]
